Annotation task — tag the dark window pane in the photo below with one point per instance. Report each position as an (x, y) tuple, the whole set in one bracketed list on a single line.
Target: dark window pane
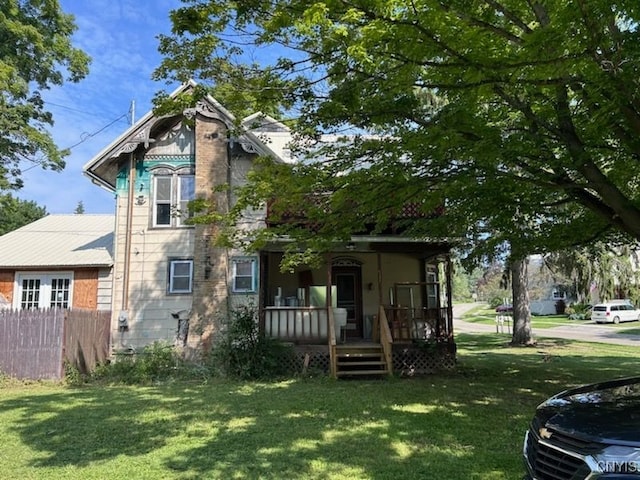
[(243, 268), (181, 284), (163, 214), (181, 269), (243, 283)]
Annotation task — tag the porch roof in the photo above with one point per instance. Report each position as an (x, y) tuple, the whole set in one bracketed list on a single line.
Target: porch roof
[(377, 244)]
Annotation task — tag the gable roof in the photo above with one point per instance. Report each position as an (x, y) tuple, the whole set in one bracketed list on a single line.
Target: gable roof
[(271, 135), (103, 168), (60, 241)]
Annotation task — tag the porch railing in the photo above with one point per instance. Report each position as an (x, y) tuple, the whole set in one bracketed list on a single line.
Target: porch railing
[(309, 325), (418, 324), (315, 325)]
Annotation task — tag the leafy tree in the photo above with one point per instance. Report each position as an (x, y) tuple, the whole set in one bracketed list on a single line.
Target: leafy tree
[(35, 53), (522, 119), (461, 288), (79, 208), (491, 285), (15, 213), (465, 282), (613, 270)]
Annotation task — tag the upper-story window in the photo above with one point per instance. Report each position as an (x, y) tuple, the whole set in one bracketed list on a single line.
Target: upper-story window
[(172, 193)]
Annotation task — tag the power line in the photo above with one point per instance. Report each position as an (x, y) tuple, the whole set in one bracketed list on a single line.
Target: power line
[(72, 109), (84, 137)]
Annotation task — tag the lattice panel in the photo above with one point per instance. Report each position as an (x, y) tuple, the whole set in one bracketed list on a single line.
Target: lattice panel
[(412, 361), (407, 361), (318, 362)]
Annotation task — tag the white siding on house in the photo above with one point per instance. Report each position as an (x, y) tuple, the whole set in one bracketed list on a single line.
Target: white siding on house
[(150, 305), (176, 141), (251, 219), (105, 279)]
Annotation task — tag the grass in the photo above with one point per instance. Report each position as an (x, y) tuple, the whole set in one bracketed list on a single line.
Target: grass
[(630, 331), (464, 424), (487, 316)]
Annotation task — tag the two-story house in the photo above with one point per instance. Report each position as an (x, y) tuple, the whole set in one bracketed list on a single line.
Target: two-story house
[(386, 292)]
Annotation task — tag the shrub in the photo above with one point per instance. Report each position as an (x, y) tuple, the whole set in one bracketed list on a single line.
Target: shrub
[(73, 376), (242, 352), (579, 311), (495, 302), (156, 362)]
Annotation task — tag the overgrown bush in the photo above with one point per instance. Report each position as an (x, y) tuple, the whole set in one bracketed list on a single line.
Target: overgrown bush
[(158, 361), (495, 302), (73, 376), (242, 352), (579, 311)]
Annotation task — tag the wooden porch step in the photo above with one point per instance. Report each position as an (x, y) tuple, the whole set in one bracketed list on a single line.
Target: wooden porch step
[(358, 354), (372, 363), (360, 360), (361, 373)]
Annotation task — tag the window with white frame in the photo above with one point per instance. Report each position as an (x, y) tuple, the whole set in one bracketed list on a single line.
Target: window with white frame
[(559, 294), (244, 274), (180, 276), (172, 193), (432, 287), (43, 290)]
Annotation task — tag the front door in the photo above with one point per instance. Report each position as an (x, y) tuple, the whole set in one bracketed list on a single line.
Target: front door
[(348, 282)]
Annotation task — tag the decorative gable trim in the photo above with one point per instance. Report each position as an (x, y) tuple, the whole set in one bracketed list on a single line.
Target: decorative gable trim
[(142, 136)]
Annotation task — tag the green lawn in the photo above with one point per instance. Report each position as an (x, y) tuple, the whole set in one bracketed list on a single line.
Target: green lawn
[(487, 316), (466, 424), (629, 331)]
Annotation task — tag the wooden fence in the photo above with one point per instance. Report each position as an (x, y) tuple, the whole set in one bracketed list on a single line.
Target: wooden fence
[(34, 344)]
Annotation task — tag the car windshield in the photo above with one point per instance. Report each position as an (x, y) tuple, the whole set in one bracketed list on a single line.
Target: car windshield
[(600, 308)]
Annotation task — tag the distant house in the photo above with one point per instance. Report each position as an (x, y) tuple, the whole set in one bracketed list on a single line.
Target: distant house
[(556, 298), (60, 261)]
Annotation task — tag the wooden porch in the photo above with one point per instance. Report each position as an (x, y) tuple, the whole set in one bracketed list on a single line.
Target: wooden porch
[(403, 339), (374, 306)]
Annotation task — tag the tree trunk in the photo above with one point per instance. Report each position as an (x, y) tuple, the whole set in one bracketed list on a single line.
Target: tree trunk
[(521, 313)]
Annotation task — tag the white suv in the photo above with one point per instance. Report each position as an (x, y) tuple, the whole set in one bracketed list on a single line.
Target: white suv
[(615, 312)]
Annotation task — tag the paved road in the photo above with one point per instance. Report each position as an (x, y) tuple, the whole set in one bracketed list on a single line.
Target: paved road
[(584, 331)]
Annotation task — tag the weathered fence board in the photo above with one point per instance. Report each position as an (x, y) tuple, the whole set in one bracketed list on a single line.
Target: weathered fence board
[(31, 343), (86, 339), (35, 343)]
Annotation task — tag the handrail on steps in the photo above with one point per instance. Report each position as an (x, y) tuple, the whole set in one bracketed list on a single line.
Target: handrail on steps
[(386, 340), (331, 328)]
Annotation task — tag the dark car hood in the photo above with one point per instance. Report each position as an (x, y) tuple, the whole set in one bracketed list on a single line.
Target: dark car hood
[(605, 412)]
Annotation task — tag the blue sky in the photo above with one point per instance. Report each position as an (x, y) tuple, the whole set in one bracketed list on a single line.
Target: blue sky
[(120, 36)]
